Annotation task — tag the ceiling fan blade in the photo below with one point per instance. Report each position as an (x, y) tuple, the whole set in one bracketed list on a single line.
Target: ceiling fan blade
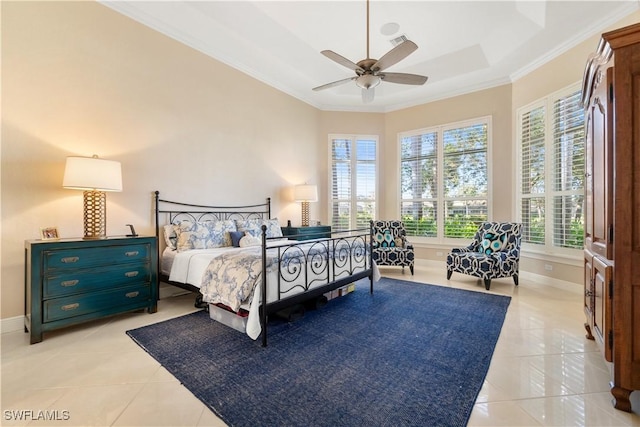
[(403, 78), (342, 60), (395, 55), (368, 95), (333, 84)]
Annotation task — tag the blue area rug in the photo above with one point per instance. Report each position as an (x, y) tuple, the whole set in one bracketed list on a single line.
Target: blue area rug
[(408, 355)]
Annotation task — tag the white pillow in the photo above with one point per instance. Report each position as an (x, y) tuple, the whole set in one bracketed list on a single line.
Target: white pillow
[(249, 240), (170, 236)]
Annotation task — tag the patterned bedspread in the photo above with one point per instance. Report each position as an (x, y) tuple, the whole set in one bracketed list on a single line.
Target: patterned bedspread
[(231, 278)]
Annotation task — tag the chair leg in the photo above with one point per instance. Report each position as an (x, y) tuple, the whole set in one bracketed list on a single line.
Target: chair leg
[(487, 283), (411, 268), (449, 273), (515, 279)]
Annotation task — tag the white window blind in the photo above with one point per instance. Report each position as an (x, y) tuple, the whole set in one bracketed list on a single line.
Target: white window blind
[(568, 171), (419, 180), (533, 175), (353, 181), (551, 164), (444, 185)]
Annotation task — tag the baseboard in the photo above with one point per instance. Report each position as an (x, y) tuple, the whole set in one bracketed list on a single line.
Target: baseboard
[(12, 324), (168, 291)]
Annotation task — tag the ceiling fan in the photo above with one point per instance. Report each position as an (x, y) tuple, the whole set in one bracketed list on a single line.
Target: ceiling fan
[(369, 72)]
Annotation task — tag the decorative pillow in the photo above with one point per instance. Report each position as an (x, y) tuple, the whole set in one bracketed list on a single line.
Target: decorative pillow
[(204, 235), (170, 236), (251, 226), (192, 235), (492, 242), (384, 239), (273, 228), (235, 237), (254, 227), (220, 233), (250, 240), (399, 242)]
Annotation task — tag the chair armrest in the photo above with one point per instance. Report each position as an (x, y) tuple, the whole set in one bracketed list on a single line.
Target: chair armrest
[(462, 250)]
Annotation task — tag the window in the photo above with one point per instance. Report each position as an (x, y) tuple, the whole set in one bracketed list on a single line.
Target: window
[(551, 144), (353, 181), (444, 179)]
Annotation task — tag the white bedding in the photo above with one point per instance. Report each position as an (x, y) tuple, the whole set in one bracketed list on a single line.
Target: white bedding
[(189, 267)]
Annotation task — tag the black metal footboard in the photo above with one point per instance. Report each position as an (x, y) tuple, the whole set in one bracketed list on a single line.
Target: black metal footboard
[(308, 269), (304, 270)]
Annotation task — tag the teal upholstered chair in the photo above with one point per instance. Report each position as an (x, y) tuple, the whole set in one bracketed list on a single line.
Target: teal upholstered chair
[(494, 253), (390, 245)]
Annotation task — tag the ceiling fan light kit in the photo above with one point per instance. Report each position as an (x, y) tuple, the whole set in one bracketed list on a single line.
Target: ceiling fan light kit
[(369, 71), (368, 81)]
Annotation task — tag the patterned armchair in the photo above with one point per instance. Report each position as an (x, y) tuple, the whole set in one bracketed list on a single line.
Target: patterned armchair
[(493, 253), (390, 245)]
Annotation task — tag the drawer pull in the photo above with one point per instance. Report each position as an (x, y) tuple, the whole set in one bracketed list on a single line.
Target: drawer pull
[(132, 294), (67, 283), (70, 307), (131, 253), (131, 273), (70, 259)]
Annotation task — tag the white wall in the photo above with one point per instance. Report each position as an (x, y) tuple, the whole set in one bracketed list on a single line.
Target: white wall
[(80, 79)]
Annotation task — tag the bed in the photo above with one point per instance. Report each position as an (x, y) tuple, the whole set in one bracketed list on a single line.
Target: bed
[(244, 269)]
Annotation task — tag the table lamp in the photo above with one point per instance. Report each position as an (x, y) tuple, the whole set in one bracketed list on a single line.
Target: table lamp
[(305, 194), (95, 176)]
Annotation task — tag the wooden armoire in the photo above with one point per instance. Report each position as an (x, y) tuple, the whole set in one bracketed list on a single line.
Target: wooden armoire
[(611, 97)]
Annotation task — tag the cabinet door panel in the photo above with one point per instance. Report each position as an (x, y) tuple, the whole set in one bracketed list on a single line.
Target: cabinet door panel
[(601, 118), (602, 284), (588, 293)]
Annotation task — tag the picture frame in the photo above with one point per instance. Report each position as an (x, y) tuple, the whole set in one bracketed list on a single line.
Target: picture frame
[(49, 233)]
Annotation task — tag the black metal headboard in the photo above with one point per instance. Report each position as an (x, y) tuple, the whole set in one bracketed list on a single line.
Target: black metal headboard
[(177, 211)]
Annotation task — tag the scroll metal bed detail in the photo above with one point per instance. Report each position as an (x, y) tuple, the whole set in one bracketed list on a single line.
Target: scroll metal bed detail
[(305, 269)]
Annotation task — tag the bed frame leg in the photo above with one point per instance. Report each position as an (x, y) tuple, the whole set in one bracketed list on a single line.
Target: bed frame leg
[(264, 335)]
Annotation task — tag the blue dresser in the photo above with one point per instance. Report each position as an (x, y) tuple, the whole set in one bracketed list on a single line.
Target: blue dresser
[(307, 233), (69, 281)]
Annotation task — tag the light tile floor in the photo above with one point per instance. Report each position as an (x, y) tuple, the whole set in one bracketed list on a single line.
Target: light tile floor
[(543, 372)]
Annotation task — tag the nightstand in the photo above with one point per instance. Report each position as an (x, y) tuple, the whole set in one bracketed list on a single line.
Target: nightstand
[(307, 233), (70, 281)]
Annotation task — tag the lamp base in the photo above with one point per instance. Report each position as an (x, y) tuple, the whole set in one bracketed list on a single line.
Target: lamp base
[(305, 214), (95, 215)]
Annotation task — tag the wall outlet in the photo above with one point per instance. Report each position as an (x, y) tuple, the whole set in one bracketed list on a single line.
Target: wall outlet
[(439, 253), (548, 267)]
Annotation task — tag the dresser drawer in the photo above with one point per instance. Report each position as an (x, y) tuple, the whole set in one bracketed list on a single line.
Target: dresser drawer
[(93, 257), (94, 279), (77, 305), (70, 281)]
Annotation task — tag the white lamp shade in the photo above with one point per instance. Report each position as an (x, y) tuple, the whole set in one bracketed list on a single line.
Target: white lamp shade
[(92, 173), (305, 193)]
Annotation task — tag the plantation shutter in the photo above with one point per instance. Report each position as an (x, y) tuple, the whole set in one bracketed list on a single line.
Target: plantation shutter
[(365, 181), (552, 166), (532, 164), (568, 171), (341, 150), (465, 179), (444, 179), (419, 180), (353, 181)]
